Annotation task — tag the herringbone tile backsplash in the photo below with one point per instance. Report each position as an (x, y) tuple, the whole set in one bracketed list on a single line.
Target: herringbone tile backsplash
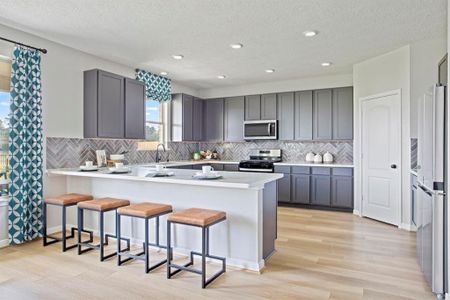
[(71, 152)]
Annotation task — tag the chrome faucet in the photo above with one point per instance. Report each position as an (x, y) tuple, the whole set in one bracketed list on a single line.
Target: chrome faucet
[(158, 157)]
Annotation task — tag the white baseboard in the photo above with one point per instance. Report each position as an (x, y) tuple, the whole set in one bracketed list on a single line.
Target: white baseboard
[(4, 243), (406, 226), (356, 212)]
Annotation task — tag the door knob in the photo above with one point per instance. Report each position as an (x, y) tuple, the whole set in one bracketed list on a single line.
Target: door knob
[(393, 166)]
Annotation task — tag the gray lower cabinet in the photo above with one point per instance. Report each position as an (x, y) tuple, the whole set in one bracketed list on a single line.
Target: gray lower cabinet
[(213, 120), (300, 189), (285, 114), (321, 190), (110, 102), (322, 110), (343, 113), (269, 107), (234, 119), (304, 115), (252, 107), (134, 109), (318, 187), (342, 191)]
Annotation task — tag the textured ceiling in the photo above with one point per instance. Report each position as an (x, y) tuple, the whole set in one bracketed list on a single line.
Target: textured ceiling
[(146, 33)]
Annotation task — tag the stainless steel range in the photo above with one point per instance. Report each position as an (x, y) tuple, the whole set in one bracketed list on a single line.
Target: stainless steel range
[(261, 160)]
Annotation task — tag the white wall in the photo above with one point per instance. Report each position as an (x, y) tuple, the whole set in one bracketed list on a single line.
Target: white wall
[(425, 56), (387, 72), (62, 82), (299, 84)]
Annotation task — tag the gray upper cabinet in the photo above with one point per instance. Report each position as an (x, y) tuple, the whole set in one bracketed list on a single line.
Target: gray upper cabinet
[(110, 101), (213, 120), (234, 119), (269, 107), (343, 113), (252, 107), (321, 190), (304, 115), (322, 110), (197, 120), (187, 118), (134, 109), (188, 109), (285, 116)]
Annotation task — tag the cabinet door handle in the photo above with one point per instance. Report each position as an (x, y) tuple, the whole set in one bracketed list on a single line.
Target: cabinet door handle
[(393, 166)]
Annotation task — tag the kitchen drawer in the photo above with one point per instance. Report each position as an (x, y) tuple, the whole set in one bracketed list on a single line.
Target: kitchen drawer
[(198, 166), (217, 167), (300, 170), (321, 171), (283, 169), (231, 167), (342, 171)]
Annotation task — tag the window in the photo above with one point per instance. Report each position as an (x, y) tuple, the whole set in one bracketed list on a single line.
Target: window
[(5, 74), (156, 124)]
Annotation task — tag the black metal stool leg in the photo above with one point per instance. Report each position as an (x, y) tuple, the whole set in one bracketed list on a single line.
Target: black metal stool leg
[(118, 239), (169, 250), (101, 236), (204, 242), (63, 229), (44, 221), (80, 228), (146, 246)]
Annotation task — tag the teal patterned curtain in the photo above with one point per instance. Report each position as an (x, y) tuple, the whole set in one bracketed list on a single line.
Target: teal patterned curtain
[(157, 88), (25, 147)]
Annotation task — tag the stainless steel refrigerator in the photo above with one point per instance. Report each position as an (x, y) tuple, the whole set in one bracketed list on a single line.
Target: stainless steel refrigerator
[(432, 214)]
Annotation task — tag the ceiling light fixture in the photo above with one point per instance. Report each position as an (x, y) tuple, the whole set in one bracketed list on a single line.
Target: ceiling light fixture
[(270, 70), (163, 73), (221, 76), (236, 46), (178, 56), (326, 64), (310, 33)]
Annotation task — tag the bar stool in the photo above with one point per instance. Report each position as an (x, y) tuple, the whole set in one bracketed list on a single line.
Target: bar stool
[(63, 201), (102, 206), (203, 218), (144, 211)]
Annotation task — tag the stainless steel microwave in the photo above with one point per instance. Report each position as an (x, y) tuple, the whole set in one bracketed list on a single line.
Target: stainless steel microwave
[(261, 130)]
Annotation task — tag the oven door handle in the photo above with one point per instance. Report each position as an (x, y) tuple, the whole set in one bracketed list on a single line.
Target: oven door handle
[(256, 170)]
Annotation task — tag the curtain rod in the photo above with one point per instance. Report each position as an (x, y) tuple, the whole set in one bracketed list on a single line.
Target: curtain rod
[(25, 45)]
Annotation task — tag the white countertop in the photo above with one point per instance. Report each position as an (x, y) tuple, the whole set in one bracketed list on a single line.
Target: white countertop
[(241, 180), (305, 164)]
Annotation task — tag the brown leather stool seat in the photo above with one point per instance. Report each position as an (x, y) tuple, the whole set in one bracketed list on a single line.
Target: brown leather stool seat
[(103, 204), (203, 218), (197, 216), (64, 201), (144, 210), (67, 199)]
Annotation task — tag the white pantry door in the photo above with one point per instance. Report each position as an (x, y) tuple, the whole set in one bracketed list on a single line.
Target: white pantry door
[(381, 157)]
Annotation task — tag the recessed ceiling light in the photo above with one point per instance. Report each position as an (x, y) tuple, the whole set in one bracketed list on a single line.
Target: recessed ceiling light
[(326, 64), (270, 70), (236, 46), (163, 73), (310, 33), (177, 56), (221, 76)]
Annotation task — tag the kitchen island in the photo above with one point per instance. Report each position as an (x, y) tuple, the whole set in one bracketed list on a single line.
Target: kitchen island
[(246, 239)]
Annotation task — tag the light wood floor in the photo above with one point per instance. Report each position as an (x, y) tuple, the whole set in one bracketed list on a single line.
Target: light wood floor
[(321, 255)]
